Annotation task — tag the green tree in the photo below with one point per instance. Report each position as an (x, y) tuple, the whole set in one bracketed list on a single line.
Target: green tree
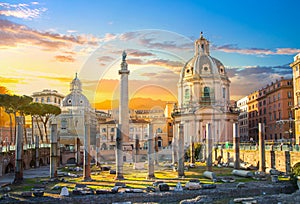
[(42, 113), (24, 102), (14, 104), (48, 111), (35, 110), (5, 100)]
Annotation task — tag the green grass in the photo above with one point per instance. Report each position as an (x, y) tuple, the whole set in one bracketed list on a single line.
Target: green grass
[(132, 178)]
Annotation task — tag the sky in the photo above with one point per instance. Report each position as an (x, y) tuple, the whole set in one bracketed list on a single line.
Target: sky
[(43, 44)]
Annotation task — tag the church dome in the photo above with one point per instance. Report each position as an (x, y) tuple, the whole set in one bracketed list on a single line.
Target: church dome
[(202, 64), (203, 80), (76, 98)]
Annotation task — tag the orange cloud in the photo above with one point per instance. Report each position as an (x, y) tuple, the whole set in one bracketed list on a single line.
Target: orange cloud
[(63, 58), (13, 34)]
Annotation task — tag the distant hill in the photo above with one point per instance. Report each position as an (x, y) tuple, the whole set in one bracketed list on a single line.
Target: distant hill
[(135, 103)]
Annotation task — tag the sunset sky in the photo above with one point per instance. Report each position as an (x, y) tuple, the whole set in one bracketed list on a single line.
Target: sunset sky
[(44, 43)]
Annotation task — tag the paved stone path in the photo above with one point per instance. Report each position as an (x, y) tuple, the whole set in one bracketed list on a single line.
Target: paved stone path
[(42, 171)]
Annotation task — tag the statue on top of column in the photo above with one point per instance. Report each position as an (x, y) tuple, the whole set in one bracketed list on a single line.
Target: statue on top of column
[(124, 56)]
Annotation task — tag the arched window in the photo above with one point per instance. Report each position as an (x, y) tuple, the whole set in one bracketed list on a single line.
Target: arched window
[(206, 92)]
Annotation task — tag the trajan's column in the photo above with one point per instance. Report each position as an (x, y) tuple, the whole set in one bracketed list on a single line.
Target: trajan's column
[(123, 135)]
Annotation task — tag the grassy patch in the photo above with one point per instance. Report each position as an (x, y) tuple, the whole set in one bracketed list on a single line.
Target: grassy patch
[(132, 178)]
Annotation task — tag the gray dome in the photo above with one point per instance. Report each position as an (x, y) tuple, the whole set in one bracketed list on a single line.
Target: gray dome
[(202, 64), (76, 99)]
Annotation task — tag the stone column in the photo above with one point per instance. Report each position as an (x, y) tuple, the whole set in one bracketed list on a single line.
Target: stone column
[(287, 156), (86, 155), (77, 150), (236, 144), (150, 153), (119, 154), (19, 151), (98, 150), (137, 149), (261, 138), (192, 150), (174, 144), (37, 147), (209, 147), (123, 103), (58, 152), (53, 150), (181, 151)]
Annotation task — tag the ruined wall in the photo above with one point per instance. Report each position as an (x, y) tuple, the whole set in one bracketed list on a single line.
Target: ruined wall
[(281, 160)]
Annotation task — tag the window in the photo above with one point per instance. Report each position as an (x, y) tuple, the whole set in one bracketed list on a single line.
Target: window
[(278, 96), (55, 100), (48, 99), (64, 124), (290, 103), (206, 92), (187, 94), (103, 129), (224, 92), (36, 99), (42, 99), (289, 94), (112, 129)]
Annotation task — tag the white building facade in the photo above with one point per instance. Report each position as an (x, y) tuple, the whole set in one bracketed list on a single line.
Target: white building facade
[(204, 98)]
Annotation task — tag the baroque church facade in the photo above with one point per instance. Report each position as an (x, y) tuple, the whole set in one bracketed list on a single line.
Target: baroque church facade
[(76, 114), (204, 98)]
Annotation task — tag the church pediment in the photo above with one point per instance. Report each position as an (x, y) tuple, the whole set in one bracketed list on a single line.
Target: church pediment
[(208, 110)]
